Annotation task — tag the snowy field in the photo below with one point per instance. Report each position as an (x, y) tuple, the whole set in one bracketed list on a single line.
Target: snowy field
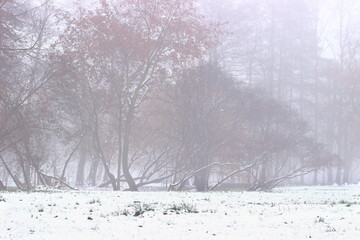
[(286, 213)]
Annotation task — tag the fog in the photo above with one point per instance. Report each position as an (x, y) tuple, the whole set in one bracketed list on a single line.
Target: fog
[(180, 119), (178, 95)]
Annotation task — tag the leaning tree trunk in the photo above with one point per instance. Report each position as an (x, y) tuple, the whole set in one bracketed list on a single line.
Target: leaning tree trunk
[(2, 186)]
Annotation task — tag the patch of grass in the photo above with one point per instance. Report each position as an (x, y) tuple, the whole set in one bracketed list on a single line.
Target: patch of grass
[(140, 209), (319, 219), (40, 209), (124, 212), (93, 201), (2, 199), (330, 229), (348, 203), (209, 211), (137, 209), (119, 212), (183, 207), (148, 207), (256, 203)]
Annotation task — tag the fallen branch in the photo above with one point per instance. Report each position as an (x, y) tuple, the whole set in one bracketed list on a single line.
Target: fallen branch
[(60, 180), (192, 173), (236, 172)]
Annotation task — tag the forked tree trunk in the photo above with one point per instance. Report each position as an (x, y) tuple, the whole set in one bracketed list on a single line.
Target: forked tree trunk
[(102, 156)]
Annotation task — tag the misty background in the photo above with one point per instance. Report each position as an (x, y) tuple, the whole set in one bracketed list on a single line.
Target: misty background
[(176, 95)]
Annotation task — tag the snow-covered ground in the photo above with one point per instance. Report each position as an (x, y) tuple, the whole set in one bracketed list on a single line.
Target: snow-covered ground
[(286, 213)]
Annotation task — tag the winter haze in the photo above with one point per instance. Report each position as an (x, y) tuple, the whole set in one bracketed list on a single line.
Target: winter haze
[(180, 119)]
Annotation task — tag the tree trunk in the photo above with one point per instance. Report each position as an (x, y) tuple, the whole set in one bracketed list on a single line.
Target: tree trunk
[(101, 154), (93, 172), (315, 179), (120, 146), (26, 173), (125, 161), (14, 178), (263, 173), (201, 180), (346, 174), (81, 167), (2, 186), (338, 175), (103, 176), (330, 176)]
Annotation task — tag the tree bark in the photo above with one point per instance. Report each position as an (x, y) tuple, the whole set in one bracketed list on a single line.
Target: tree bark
[(315, 179), (346, 174), (101, 154), (338, 175), (81, 167), (2, 186), (26, 173), (93, 172), (125, 159), (330, 175), (120, 146), (201, 180)]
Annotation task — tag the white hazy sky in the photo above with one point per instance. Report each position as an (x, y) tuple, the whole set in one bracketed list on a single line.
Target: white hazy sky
[(328, 25)]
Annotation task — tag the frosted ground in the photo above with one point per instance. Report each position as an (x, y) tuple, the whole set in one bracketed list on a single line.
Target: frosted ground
[(285, 213)]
